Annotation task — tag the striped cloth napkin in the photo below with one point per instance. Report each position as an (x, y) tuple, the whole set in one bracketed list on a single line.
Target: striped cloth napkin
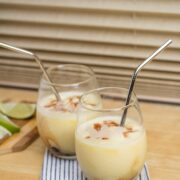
[(60, 169)]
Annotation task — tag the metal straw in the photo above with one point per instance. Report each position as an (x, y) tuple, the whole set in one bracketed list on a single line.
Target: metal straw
[(25, 52), (134, 75)]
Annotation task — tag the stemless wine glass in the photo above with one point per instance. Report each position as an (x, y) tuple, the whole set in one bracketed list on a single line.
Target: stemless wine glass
[(57, 120), (105, 150)]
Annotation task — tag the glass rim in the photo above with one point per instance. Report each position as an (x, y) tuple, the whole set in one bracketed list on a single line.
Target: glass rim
[(107, 109), (89, 69)]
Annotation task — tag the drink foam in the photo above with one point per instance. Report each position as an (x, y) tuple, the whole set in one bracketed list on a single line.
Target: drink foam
[(106, 130)]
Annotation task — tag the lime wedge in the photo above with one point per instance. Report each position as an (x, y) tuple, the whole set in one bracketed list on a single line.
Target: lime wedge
[(18, 110), (4, 134), (8, 124)]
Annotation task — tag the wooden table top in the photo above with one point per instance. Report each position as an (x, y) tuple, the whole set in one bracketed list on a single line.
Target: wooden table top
[(162, 123)]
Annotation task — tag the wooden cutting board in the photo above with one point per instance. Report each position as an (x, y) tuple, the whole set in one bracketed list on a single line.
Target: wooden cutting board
[(21, 140)]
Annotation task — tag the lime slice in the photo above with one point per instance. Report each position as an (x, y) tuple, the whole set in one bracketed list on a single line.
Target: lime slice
[(4, 134), (8, 124), (18, 110)]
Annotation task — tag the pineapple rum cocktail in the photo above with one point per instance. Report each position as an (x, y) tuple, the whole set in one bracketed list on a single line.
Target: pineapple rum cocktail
[(57, 119), (105, 150)]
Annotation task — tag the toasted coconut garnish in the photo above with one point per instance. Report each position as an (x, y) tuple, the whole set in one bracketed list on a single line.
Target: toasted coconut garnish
[(69, 105), (51, 104), (87, 137), (97, 126), (104, 138), (110, 123), (128, 131)]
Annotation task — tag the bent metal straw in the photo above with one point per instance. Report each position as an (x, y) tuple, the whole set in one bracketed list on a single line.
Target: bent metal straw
[(135, 73), (25, 52)]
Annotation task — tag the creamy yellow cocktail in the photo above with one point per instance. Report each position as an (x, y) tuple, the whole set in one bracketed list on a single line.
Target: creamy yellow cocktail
[(57, 121), (107, 151)]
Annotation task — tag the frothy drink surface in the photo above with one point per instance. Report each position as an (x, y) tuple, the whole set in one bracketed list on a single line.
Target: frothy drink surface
[(106, 130)]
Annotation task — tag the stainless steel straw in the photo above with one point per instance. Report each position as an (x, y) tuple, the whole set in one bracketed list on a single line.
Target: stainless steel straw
[(25, 52), (134, 75)]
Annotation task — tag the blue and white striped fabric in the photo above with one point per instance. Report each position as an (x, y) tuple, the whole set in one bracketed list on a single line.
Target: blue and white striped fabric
[(60, 169)]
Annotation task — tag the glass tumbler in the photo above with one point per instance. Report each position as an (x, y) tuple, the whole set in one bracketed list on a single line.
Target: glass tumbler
[(57, 120), (105, 150)]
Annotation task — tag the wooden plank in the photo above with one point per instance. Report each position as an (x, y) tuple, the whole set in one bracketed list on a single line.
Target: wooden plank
[(140, 6), (21, 140), (146, 91), (87, 34), (27, 72), (89, 48), (103, 70), (118, 19), (168, 65)]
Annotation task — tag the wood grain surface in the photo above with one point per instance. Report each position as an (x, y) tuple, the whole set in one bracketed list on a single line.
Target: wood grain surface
[(21, 140), (162, 123)]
